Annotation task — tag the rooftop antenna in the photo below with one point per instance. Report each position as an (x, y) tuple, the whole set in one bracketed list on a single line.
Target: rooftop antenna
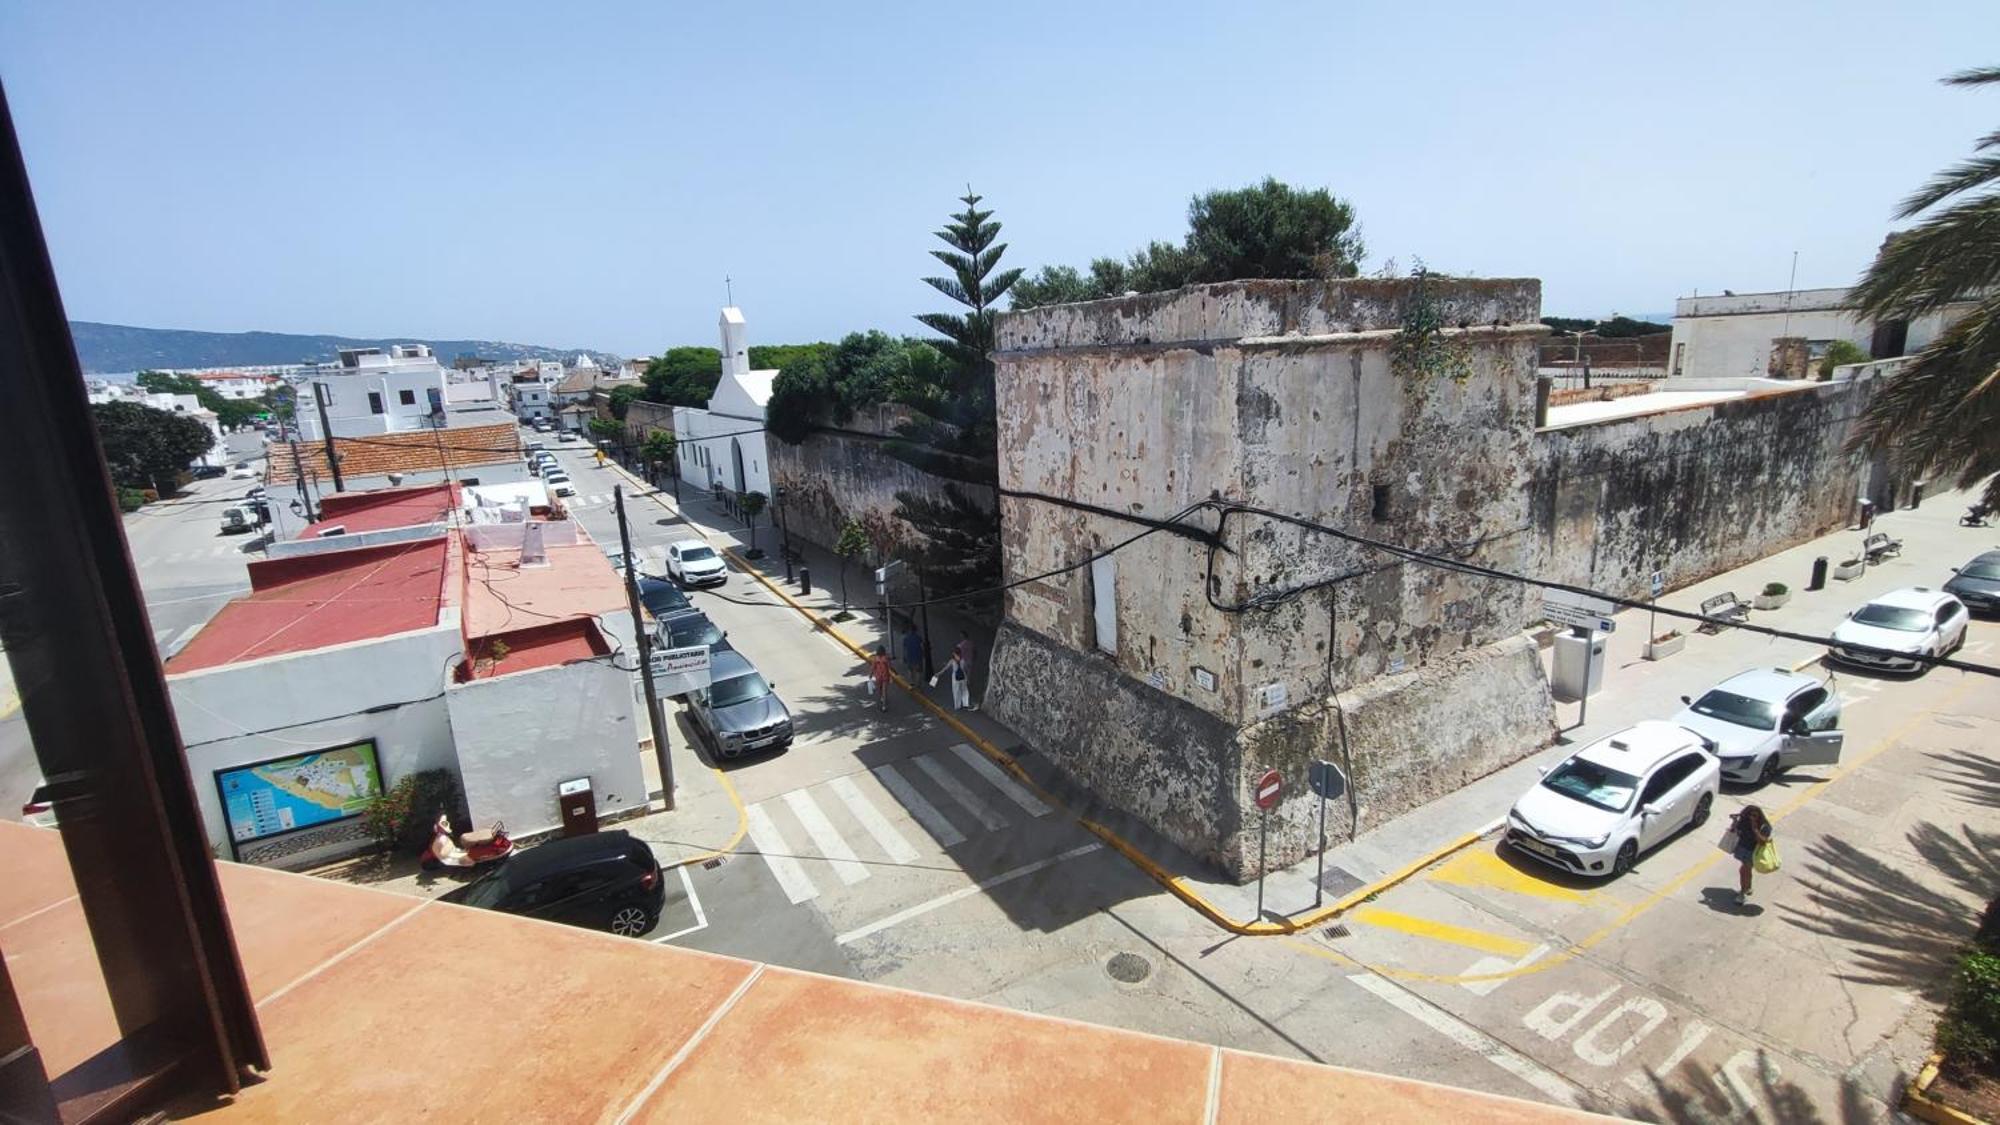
[(729, 288), (1791, 287)]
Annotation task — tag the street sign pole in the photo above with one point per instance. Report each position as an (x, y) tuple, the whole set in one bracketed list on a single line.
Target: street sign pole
[(1319, 876), (1583, 702), (1263, 835), (653, 712), (1270, 786)]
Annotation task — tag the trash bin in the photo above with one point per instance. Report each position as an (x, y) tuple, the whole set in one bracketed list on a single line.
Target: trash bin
[(805, 581), (1579, 666), (578, 806), (1818, 574)]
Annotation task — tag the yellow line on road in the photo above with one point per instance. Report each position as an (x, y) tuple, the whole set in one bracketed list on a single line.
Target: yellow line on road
[(1484, 869), (1441, 931)]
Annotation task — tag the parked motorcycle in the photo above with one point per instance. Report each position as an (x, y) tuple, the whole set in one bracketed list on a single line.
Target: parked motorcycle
[(1975, 516), (469, 849)]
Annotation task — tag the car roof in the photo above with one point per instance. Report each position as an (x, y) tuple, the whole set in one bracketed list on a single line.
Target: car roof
[(1775, 684), (565, 853), (680, 543), (728, 665), (1641, 746), (1911, 597), (686, 619), (1984, 557)]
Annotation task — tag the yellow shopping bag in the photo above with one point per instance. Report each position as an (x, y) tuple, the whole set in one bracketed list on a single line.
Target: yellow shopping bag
[(1765, 859)]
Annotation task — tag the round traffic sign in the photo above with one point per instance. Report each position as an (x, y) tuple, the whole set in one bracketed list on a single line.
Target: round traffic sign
[(1270, 786)]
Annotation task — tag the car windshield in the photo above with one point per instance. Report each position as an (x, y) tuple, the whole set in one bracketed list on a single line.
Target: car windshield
[(1989, 571), (660, 598), (741, 689), (1596, 785), (1739, 709), (1893, 617), (696, 554), (696, 631), (486, 892)]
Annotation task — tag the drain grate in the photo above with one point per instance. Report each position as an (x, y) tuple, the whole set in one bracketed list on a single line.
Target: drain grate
[(1128, 968), (1337, 930)]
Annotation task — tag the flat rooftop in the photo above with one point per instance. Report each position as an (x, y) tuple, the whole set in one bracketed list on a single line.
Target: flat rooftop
[(502, 596), (1651, 403), (316, 601), (383, 508)]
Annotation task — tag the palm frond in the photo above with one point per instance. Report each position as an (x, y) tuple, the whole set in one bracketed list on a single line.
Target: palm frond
[(1941, 412), (1979, 172), (1977, 76), (1953, 253)]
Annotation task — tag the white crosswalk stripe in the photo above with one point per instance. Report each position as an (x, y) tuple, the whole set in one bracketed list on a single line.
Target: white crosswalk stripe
[(792, 878), (1011, 789), (892, 842), (845, 863), (957, 791), (917, 805)]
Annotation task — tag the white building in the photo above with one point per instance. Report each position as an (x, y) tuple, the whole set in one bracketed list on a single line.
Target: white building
[(105, 391), (237, 384), (370, 392), (723, 446), (530, 398), (1735, 335)]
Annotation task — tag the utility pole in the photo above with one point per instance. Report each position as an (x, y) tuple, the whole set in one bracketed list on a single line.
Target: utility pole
[(653, 712), (299, 471), (326, 431)]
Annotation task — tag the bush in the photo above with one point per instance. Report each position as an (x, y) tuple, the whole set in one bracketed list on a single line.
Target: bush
[(1969, 1033), (402, 819), (131, 499), (1776, 589)]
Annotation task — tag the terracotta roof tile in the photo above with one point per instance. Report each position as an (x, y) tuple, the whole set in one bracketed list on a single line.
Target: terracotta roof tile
[(410, 452)]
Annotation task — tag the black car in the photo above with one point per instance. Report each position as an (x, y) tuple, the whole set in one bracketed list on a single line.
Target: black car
[(606, 881), (207, 472), (1977, 583), (661, 597), (686, 630)]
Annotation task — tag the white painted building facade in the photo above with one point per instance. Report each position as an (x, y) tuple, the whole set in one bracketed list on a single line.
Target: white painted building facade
[(372, 392), (724, 445), (1732, 336)]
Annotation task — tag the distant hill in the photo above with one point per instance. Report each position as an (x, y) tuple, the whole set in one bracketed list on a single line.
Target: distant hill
[(109, 349)]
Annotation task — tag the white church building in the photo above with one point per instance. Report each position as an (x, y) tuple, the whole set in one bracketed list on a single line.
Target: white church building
[(723, 446)]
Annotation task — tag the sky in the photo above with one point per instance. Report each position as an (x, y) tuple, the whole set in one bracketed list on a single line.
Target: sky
[(587, 175)]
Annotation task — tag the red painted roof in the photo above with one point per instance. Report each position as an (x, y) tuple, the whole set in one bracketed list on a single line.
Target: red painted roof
[(316, 601), (384, 508), (540, 646)]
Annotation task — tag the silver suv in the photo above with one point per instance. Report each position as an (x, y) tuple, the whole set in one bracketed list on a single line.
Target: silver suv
[(738, 712)]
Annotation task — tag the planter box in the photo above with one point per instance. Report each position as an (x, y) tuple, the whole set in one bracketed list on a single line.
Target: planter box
[(1770, 601), (1850, 570), (1660, 648)]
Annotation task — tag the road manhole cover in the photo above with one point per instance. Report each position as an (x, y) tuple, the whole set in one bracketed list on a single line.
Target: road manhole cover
[(1128, 968)]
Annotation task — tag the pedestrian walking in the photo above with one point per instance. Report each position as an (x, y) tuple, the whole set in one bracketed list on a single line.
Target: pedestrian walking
[(963, 652), (955, 672), (913, 654), (1755, 848), (878, 677)]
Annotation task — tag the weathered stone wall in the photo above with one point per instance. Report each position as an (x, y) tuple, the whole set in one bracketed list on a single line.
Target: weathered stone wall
[(1697, 490)]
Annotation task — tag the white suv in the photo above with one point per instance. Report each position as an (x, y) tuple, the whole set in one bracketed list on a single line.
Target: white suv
[(1596, 810), (1766, 721), (1900, 627), (692, 562)]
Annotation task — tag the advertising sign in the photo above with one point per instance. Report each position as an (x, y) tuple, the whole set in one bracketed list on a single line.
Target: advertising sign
[(286, 795), (677, 671)]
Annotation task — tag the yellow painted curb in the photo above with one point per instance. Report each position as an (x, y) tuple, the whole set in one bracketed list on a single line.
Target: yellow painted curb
[(1917, 1101), (1172, 883)]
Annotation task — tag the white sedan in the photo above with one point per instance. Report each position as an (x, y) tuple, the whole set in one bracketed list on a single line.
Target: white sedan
[(1899, 628), (692, 562), (1766, 721), (1599, 808)]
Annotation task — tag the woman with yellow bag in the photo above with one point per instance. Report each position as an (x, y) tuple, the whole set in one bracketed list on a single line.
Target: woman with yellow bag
[(1755, 848)]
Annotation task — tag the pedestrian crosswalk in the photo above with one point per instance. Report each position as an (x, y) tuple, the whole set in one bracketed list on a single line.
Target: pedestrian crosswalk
[(840, 827), (226, 551), (582, 501)]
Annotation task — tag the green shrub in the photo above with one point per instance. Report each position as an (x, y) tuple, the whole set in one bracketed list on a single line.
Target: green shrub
[(131, 499), (1776, 589), (402, 819), (1969, 1033)]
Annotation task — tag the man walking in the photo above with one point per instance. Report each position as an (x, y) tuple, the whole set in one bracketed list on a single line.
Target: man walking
[(913, 654), (962, 652)]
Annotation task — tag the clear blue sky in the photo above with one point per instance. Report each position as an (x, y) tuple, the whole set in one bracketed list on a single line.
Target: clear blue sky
[(586, 174)]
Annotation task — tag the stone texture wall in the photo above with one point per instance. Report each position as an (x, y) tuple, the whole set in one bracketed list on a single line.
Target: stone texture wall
[(1695, 491)]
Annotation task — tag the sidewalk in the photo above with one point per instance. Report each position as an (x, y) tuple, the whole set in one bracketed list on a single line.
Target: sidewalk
[(1635, 689)]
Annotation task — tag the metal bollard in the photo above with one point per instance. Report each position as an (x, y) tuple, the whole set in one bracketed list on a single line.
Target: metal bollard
[(1818, 574), (805, 581)]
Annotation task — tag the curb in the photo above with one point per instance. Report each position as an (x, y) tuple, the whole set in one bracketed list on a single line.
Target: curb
[(1918, 1103), (1172, 883)]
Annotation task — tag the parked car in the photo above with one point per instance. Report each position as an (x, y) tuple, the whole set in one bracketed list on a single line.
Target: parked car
[(562, 487), (688, 628), (1910, 624), (1765, 721), (1977, 583), (660, 597), (243, 472), (606, 881), (533, 448), (566, 436), (738, 712), (692, 562), (207, 472), (1597, 810), (237, 519)]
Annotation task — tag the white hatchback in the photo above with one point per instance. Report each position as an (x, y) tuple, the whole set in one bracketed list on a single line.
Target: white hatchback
[(1766, 721), (1594, 812), (1900, 628)]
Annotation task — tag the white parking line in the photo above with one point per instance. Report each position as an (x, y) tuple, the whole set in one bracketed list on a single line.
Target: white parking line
[(1548, 1082), (792, 878), (846, 864), (923, 908), (914, 802), (181, 638), (956, 790), (878, 826), (694, 900), (984, 767)]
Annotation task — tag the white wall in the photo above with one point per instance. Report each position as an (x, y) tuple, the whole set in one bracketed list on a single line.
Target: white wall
[(706, 460), (348, 410), (1738, 346), (519, 736)]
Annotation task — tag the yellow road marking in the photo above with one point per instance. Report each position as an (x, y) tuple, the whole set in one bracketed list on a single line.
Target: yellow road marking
[(1485, 869), (1441, 931)]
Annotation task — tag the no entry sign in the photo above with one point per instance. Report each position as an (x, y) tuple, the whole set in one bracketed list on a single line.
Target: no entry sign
[(1270, 786)]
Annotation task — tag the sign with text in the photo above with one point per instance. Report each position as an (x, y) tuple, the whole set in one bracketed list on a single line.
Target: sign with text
[(1563, 614), (677, 671)]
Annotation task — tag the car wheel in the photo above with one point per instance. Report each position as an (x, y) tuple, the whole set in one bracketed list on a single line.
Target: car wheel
[(1771, 770), (1701, 810), (1627, 856), (630, 921)]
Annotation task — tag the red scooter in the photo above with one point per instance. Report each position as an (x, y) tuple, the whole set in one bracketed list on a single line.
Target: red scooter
[(470, 849)]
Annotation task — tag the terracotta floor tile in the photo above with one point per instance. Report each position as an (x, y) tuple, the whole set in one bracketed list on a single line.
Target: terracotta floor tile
[(287, 924), (798, 1047), (460, 1014), (36, 869), (1257, 1089), (54, 969)]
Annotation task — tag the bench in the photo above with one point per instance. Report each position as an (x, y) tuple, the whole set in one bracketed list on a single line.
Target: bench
[(1879, 546), (1728, 607)]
